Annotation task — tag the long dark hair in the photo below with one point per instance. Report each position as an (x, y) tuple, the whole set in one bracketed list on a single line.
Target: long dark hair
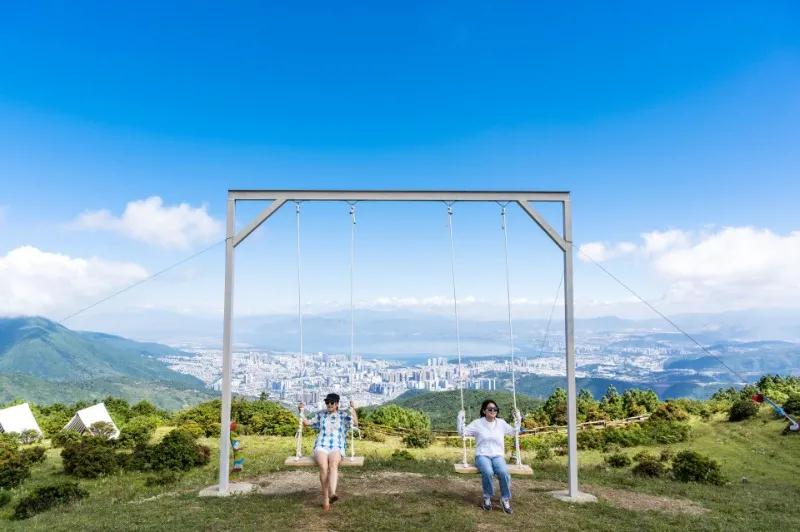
[(485, 404)]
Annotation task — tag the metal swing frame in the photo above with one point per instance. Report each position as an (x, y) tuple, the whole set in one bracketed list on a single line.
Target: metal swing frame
[(278, 198)]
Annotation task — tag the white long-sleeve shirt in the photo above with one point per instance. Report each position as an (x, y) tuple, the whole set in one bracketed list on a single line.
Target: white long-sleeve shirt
[(489, 437)]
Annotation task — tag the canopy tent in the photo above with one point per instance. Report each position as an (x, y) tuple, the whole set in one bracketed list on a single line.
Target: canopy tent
[(18, 418), (84, 419)]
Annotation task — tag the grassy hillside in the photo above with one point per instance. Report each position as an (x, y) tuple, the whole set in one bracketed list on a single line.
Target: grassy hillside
[(424, 493), (167, 395), (43, 361), (442, 407), (45, 349)]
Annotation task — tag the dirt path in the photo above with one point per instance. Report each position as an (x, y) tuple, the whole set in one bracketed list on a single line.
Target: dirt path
[(396, 483)]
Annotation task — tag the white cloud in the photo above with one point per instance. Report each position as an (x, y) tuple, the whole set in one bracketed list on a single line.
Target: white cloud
[(600, 251), (33, 281), (732, 267), (421, 303), (150, 221)]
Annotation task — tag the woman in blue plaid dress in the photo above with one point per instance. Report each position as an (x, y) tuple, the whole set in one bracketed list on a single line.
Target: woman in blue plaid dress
[(331, 444)]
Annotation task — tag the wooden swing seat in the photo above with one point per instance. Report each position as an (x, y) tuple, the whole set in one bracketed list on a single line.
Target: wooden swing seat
[(308, 461), (514, 469)]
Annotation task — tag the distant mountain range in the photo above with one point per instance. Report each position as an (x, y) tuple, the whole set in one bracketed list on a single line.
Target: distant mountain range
[(381, 332), (43, 361)]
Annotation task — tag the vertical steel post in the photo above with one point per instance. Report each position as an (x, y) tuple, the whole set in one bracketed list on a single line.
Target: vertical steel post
[(569, 326), (225, 419)]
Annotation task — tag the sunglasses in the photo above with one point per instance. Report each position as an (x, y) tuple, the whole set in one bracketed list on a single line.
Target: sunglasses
[(330, 402), (490, 409)]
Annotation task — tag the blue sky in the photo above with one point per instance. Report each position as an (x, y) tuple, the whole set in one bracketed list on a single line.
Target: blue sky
[(678, 121)]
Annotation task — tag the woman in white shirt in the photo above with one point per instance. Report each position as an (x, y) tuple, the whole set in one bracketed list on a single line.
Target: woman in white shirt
[(490, 432)]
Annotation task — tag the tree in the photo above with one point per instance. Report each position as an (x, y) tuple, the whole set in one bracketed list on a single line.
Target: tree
[(612, 403), (556, 407)]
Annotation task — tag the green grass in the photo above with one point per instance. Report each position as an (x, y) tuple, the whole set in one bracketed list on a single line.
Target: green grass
[(434, 498)]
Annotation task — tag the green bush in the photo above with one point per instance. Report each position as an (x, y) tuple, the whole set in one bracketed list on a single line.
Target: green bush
[(103, 429), (33, 455), (47, 497), (205, 414), (371, 433), (13, 470), (193, 427), (666, 455), (397, 417), (792, 404), (618, 460), (665, 432), (29, 436), (178, 451), (64, 438), (418, 439), (690, 466), (91, 457), (402, 455), (649, 466), (8, 440), (138, 431), (5, 498), (742, 409), (545, 453), (669, 412)]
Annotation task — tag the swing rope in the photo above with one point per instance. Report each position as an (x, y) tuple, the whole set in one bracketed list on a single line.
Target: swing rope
[(300, 415), (517, 418), (458, 328)]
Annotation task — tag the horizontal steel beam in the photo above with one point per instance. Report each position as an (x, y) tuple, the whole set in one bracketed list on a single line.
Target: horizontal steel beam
[(397, 195)]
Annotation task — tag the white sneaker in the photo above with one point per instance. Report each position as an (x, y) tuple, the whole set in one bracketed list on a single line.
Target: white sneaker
[(507, 506), (487, 504)]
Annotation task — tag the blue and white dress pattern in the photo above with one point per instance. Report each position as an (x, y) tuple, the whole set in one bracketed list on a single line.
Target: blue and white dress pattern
[(332, 429)]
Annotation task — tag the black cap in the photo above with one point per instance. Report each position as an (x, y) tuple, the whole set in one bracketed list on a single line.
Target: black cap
[(332, 397)]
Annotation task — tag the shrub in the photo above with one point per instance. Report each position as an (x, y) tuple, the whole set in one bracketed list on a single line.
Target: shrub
[(666, 455), (690, 466), (669, 412), (177, 451), (103, 429), (418, 439), (64, 438), (138, 431), (643, 456), (206, 415), (13, 470), (5, 498), (91, 457), (792, 404), (8, 440), (371, 433), (649, 467), (742, 409), (29, 436), (194, 428), (398, 417), (46, 497), (618, 460), (544, 453), (402, 454), (33, 455), (665, 432)]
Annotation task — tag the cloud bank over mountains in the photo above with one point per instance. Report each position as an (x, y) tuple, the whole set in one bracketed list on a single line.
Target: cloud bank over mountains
[(732, 267)]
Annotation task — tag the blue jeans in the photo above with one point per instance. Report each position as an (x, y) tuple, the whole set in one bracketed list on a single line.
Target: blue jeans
[(494, 465)]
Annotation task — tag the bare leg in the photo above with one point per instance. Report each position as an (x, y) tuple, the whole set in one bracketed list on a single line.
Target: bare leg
[(321, 458), (334, 457)]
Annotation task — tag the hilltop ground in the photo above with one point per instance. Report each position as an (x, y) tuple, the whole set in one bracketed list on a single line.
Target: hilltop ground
[(390, 494)]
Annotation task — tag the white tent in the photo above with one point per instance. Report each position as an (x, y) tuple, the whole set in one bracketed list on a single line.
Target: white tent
[(87, 417), (17, 419)]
